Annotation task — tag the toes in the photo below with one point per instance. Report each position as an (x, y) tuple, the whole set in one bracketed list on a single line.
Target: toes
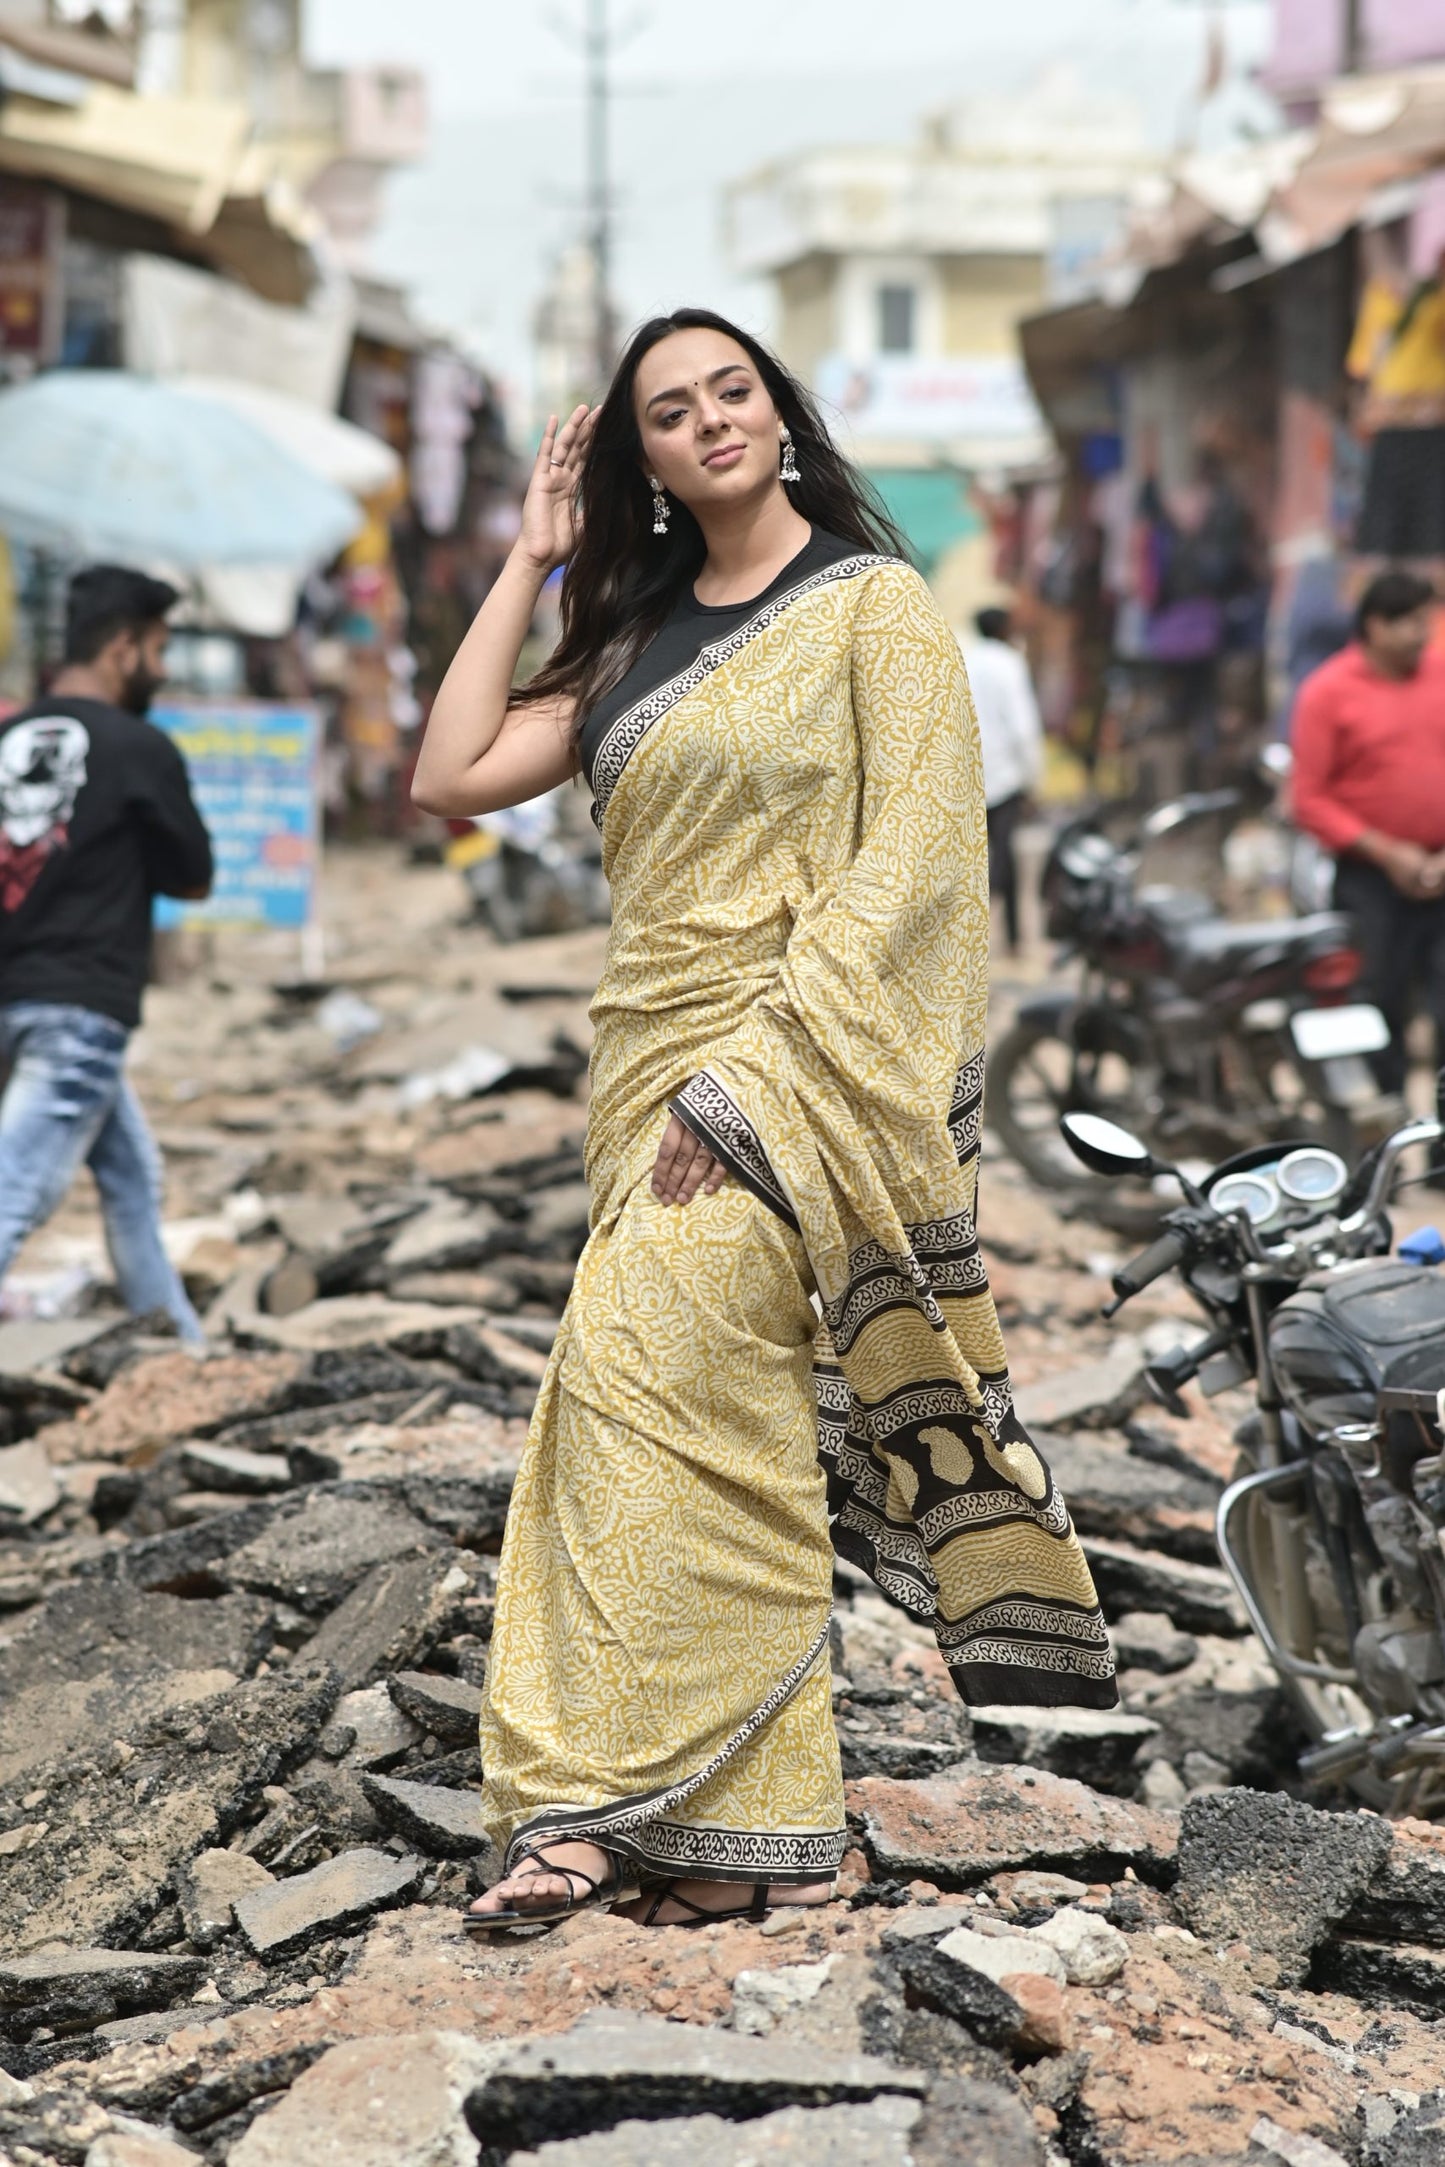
[(526, 1891)]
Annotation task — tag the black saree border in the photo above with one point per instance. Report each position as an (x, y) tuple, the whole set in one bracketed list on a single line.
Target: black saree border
[(895, 1511), (638, 1828), (965, 1113), (625, 733), (942, 1259), (786, 1857)]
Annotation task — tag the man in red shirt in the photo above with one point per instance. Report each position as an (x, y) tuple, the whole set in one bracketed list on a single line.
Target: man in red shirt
[(1369, 783)]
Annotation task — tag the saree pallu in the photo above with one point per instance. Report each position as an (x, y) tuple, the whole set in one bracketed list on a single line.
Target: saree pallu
[(809, 1361)]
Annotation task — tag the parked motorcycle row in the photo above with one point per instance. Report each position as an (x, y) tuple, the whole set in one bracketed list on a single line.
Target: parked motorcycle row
[(1189, 1039), (1200, 1034)]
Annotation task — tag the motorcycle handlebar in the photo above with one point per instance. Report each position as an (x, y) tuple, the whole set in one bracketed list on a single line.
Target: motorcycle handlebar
[(1152, 1263)]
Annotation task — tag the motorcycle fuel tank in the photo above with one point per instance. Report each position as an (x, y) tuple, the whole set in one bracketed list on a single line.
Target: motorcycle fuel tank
[(1336, 1342)]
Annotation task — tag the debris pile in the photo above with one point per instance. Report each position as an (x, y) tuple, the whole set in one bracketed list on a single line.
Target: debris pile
[(245, 1609)]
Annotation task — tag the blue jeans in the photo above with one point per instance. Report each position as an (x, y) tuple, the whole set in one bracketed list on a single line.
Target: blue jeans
[(67, 1101)]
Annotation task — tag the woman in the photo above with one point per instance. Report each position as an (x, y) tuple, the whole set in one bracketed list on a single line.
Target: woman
[(786, 1090)]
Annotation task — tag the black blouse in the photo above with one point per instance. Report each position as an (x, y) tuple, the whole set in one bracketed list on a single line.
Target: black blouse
[(690, 627)]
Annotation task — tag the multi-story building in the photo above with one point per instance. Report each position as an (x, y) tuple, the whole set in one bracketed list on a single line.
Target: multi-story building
[(335, 134), (916, 261), (564, 337), (900, 274)]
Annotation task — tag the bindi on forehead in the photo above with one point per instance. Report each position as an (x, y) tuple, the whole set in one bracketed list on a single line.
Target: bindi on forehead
[(714, 376)]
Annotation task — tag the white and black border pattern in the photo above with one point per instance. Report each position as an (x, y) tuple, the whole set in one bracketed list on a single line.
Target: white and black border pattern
[(627, 732), (965, 1115), (717, 1120), (638, 1828), (1020, 1614)]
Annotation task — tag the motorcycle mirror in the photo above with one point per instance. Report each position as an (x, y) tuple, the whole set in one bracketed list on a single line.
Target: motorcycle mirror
[(1163, 820), (1104, 1147), (1177, 812)]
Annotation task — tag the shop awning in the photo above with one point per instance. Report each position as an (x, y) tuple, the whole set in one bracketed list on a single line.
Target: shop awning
[(1373, 132), (179, 320), (72, 49), (187, 162), (1205, 197), (172, 158), (1301, 191)]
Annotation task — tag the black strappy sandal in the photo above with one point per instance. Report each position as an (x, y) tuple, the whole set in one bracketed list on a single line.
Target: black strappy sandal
[(600, 1893), (756, 1911)]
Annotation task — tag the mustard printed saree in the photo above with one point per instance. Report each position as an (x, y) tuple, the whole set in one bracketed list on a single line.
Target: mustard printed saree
[(790, 799)]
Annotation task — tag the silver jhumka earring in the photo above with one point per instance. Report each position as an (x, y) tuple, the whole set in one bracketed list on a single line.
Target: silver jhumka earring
[(661, 509), (788, 472)]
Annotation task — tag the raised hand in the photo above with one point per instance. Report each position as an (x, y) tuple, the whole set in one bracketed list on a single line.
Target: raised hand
[(549, 513)]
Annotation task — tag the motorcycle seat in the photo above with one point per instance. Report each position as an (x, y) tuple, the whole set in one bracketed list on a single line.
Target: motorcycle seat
[(1171, 910), (1222, 941), (1350, 1332)]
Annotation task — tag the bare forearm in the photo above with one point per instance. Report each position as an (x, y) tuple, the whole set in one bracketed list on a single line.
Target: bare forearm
[(1407, 866), (480, 751), (471, 706), (1379, 849)]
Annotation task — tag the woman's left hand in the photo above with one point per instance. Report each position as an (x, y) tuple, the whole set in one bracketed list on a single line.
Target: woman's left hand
[(685, 1166)]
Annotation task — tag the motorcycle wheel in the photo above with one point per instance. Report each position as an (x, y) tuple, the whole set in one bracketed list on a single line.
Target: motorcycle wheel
[(1319, 1707), (1034, 1074)]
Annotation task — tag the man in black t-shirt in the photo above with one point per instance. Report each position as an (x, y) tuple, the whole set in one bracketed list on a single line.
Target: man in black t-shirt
[(96, 820)]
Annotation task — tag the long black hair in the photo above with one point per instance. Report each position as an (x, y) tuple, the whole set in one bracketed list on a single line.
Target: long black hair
[(623, 580)]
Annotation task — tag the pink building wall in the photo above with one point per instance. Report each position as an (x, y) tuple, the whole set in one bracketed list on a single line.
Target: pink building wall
[(1398, 32), (1307, 44), (1309, 39)]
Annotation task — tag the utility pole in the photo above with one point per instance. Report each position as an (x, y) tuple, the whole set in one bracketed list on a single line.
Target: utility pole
[(597, 45), (599, 38)]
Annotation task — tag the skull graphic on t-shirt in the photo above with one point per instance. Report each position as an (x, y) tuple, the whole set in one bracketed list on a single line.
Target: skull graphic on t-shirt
[(42, 770)]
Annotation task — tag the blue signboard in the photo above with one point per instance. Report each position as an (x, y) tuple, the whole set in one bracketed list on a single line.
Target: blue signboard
[(254, 772)]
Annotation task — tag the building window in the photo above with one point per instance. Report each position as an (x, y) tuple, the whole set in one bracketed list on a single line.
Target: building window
[(897, 310)]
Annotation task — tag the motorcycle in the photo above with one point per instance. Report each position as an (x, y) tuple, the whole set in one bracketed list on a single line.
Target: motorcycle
[(525, 875), (1332, 1529), (1201, 1034)]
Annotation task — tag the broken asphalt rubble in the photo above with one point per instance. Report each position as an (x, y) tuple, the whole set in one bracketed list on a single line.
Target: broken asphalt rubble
[(245, 1607)]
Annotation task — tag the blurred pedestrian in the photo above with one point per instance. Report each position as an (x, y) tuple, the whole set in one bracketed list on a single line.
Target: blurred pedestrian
[(1369, 784), (786, 1091), (1012, 731), (96, 819)]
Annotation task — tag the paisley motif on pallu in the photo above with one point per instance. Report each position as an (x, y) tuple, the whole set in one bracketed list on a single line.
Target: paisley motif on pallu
[(791, 808), (919, 1475)]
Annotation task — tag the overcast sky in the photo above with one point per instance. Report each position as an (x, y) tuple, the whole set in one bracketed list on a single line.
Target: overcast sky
[(710, 91)]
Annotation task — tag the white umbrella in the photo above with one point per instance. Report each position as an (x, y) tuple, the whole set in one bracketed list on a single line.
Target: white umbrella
[(99, 463), (337, 450)]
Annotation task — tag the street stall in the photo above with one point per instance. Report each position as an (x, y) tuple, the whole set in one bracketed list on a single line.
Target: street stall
[(1284, 309), (1153, 593), (411, 582)]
